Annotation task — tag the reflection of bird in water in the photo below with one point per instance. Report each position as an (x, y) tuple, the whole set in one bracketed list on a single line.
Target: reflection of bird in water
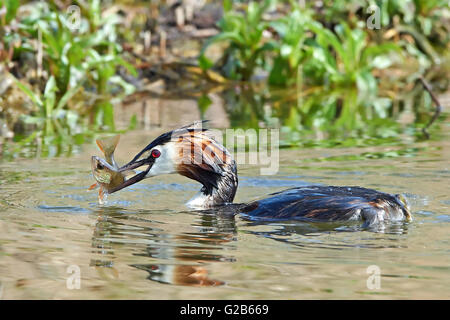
[(192, 152), (223, 229), (182, 275), (183, 258)]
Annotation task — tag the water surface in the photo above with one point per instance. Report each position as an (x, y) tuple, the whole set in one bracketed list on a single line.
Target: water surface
[(145, 244)]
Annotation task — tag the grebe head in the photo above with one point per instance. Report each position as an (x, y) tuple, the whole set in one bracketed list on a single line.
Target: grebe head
[(192, 152)]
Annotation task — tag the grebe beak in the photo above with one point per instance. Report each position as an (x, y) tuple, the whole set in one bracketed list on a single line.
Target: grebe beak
[(133, 164)]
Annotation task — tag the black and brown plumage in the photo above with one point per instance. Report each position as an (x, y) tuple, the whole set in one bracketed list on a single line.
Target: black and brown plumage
[(192, 152), (330, 203)]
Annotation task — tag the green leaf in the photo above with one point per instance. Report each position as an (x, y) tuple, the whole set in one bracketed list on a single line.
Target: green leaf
[(105, 115), (11, 9), (285, 50), (130, 68), (371, 52), (133, 122), (225, 36), (253, 13), (280, 26), (50, 96), (204, 62), (327, 38), (203, 104), (366, 83), (278, 74), (50, 41), (72, 119), (66, 97), (32, 120), (33, 97), (227, 5), (381, 62), (381, 106)]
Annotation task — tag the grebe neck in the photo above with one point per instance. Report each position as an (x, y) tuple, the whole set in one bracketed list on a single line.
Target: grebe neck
[(218, 188)]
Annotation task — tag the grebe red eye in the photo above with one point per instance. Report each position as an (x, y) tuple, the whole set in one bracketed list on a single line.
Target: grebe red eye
[(156, 153)]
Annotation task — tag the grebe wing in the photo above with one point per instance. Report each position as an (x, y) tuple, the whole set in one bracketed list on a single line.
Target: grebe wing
[(328, 203)]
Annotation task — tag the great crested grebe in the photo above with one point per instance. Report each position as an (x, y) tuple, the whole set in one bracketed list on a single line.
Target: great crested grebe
[(193, 153)]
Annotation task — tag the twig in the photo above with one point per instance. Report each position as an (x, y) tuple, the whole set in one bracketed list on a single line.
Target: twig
[(147, 41), (39, 55), (437, 111), (162, 43)]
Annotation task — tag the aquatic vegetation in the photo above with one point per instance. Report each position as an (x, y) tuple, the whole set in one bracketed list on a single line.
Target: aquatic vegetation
[(313, 69), (424, 17), (55, 125), (244, 33), (50, 107), (87, 57), (424, 20), (290, 48), (328, 118), (73, 75), (324, 66), (72, 65), (333, 51), (8, 11)]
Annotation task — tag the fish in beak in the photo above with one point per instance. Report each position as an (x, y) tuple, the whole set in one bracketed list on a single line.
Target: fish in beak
[(143, 158), (105, 171), (132, 180)]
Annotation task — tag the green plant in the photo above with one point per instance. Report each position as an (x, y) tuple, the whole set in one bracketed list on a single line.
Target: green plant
[(289, 50), (56, 127), (8, 11), (50, 109), (244, 34), (87, 56), (351, 59)]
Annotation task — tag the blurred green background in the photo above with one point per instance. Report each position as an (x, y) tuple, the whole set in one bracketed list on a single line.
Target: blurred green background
[(326, 73)]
